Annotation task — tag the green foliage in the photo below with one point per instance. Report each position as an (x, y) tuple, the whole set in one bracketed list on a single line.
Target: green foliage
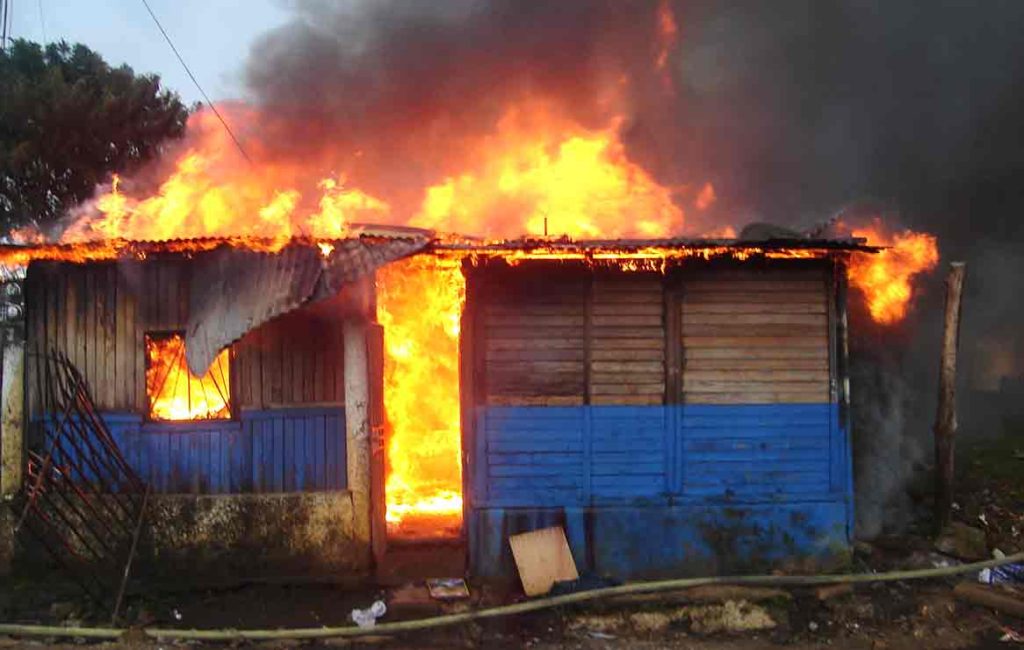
[(67, 121)]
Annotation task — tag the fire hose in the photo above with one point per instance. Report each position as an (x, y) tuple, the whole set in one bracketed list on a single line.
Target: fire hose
[(170, 634)]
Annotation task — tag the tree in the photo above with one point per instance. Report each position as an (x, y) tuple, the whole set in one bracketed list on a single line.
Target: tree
[(67, 121)]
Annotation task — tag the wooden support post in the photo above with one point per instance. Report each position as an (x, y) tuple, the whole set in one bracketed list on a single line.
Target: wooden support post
[(357, 426), (945, 420)]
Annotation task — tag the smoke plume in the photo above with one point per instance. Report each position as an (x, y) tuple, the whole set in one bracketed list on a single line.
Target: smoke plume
[(791, 109)]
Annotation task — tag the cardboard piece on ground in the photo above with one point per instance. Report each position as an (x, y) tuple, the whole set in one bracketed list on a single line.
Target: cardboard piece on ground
[(542, 558)]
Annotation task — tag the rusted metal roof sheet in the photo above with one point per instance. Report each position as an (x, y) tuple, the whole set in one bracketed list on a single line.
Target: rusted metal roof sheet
[(235, 290), (667, 244)]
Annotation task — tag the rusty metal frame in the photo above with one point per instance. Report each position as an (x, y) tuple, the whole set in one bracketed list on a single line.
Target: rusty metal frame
[(81, 500)]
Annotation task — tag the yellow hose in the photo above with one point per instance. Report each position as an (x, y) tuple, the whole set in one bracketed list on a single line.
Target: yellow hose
[(504, 610)]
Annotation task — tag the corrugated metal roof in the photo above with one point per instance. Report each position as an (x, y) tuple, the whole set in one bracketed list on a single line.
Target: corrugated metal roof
[(236, 290), (672, 243)]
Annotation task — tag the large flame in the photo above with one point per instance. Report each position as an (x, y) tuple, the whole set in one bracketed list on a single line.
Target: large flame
[(174, 392), (886, 279), (420, 306), (213, 192), (542, 174), (537, 171)]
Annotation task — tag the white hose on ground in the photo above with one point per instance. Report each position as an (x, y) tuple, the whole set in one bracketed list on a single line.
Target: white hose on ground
[(166, 634)]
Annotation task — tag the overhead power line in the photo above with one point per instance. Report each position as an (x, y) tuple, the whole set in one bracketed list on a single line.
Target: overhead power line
[(181, 60), (42, 22)]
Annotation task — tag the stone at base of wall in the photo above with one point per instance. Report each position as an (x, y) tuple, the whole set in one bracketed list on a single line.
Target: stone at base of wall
[(253, 536), (226, 538), (6, 539)]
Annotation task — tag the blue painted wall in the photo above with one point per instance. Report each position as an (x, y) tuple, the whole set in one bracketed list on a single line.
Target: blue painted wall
[(654, 490), (280, 450)]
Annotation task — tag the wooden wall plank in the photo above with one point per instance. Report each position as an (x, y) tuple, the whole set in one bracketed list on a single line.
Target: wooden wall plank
[(720, 286), (756, 337), (109, 328), (814, 320), (752, 296), (694, 365), (816, 343), (754, 352)]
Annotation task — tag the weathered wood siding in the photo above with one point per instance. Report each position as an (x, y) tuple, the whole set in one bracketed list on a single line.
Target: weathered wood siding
[(98, 314), (534, 340), (293, 360), (566, 339), (755, 337), (706, 415), (627, 340)]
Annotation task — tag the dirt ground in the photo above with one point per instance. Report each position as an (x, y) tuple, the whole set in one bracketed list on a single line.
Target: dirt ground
[(896, 616)]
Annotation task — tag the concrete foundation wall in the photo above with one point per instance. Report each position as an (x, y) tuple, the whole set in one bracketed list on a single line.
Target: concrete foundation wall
[(201, 538)]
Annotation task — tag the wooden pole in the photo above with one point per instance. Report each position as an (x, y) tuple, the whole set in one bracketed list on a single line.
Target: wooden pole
[(945, 419)]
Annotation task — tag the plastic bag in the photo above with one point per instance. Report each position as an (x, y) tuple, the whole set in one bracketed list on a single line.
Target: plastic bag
[(367, 618), (1008, 574)]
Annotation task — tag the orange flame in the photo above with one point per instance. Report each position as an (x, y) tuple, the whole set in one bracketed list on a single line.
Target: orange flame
[(886, 279), (538, 172), (212, 193), (542, 174), (420, 304), (174, 392)]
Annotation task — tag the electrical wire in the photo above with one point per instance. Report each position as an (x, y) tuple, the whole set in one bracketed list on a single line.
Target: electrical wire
[(166, 634), (188, 71), (42, 22)]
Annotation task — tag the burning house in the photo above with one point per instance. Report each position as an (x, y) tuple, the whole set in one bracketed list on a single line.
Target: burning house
[(678, 406), (299, 392)]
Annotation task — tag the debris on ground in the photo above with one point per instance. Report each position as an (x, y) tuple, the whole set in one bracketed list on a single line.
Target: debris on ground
[(1009, 574), (447, 588), (367, 618), (732, 617), (963, 542), (1005, 601), (705, 594), (542, 558), (828, 592)]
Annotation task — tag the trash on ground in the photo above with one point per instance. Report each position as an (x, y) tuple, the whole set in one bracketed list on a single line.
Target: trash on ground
[(1008, 574), (367, 618), (448, 588)]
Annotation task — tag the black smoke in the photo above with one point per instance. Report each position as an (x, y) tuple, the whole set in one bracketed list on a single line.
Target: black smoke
[(793, 109)]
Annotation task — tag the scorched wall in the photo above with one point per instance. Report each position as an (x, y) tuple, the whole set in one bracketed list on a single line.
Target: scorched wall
[(270, 484), (689, 422)]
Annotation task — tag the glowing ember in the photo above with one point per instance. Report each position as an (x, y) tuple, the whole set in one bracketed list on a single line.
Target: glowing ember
[(420, 306), (886, 279), (174, 392)]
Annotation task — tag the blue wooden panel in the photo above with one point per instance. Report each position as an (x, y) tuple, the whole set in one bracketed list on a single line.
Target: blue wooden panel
[(264, 451), (668, 541), (756, 452), (621, 454), (531, 456), (662, 490), (629, 457)]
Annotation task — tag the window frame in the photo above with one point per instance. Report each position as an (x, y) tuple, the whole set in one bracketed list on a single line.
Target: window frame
[(231, 401)]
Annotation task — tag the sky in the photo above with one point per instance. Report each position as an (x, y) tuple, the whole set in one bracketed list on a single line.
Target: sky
[(213, 36)]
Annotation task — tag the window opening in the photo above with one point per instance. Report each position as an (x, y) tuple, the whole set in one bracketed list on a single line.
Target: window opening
[(175, 393)]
